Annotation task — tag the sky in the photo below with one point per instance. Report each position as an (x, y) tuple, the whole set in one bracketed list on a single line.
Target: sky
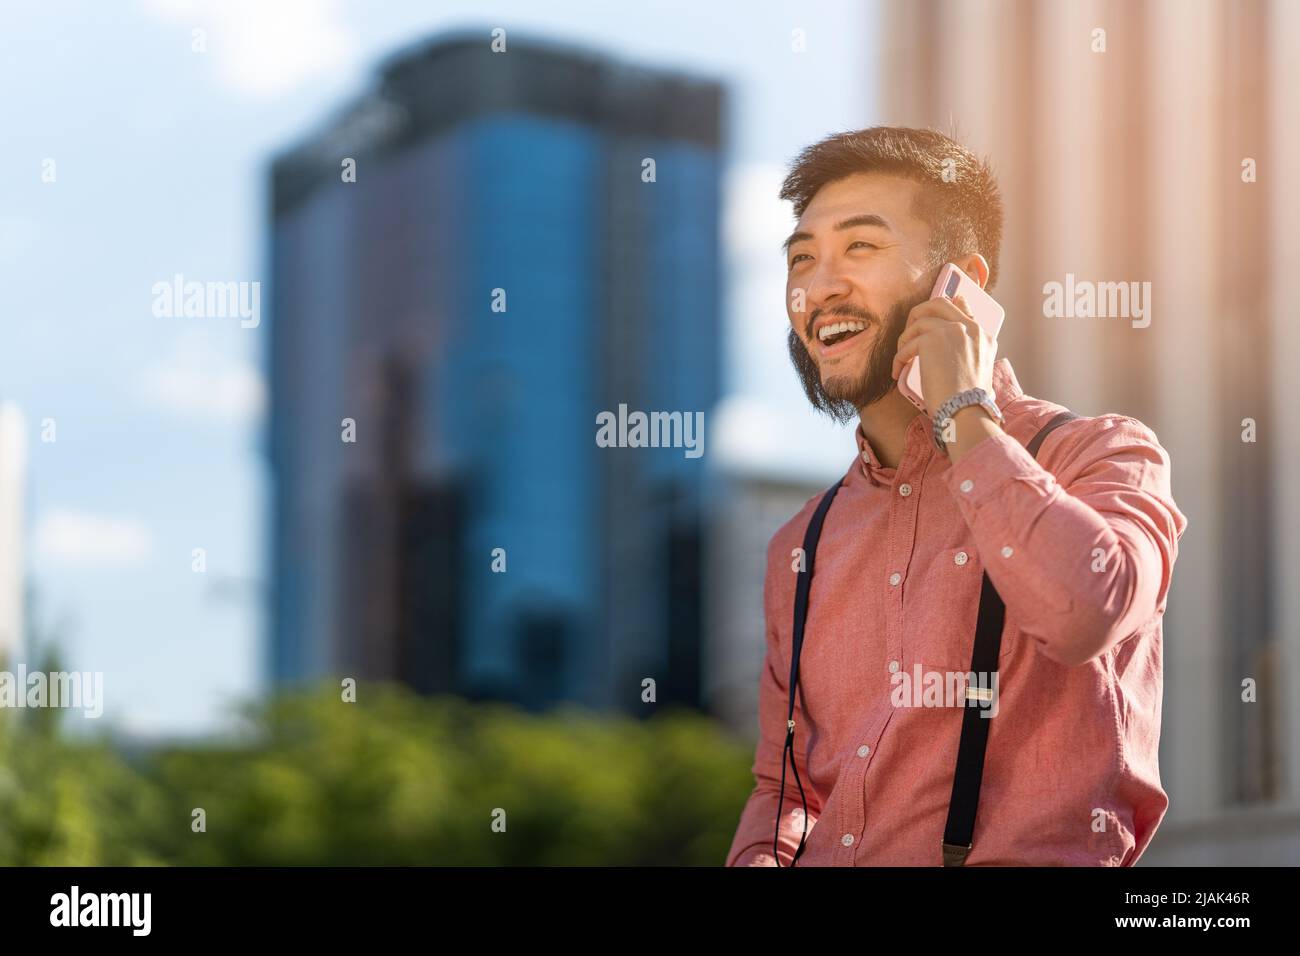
[(129, 156)]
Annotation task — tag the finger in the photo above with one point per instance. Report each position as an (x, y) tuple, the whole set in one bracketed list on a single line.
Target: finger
[(920, 325), (945, 313), (903, 356), (961, 314), (955, 309), (940, 308), (920, 312)]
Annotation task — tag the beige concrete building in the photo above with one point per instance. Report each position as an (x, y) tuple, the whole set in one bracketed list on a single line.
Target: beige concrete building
[(756, 503), (1126, 136)]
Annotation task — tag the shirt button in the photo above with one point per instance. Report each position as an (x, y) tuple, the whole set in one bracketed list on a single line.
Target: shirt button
[(847, 839), (967, 485), (904, 489), (893, 667), (960, 557), (895, 578), (863, 750), (1006, 551)]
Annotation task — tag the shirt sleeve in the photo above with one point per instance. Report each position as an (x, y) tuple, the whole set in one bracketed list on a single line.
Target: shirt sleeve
[(1081, 562), (753, 842)]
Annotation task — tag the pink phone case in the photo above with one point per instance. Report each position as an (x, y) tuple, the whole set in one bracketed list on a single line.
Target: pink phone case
[(953, 282)]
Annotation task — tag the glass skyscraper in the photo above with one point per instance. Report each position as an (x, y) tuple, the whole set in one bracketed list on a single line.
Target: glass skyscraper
[(531, 239)]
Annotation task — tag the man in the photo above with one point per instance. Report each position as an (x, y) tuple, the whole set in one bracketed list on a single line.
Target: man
[(1079, 542)]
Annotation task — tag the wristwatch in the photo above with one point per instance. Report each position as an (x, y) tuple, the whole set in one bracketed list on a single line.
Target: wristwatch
[(971, 396)]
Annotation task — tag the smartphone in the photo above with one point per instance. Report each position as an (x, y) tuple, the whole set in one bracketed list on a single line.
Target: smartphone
[(984, 308)]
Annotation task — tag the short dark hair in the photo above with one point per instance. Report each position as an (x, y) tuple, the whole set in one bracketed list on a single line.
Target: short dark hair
[(965, 215)]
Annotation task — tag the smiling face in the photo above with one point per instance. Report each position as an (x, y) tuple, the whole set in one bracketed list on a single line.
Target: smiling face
[(861, 258)]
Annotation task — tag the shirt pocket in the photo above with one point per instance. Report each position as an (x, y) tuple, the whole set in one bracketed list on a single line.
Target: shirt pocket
[(941, 609)]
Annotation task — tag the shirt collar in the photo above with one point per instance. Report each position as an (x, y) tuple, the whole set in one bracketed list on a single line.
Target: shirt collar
[(1006, 389)]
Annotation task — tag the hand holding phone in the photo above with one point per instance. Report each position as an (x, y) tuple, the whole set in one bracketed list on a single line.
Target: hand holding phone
[(952, 282)]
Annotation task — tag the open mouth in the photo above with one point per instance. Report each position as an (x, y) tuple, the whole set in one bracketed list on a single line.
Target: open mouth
[(834, 333)]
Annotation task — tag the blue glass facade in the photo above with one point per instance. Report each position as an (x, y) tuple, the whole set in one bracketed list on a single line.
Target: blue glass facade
[(476, 428)]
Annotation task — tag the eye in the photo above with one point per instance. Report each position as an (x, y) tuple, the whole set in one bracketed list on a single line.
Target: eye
[(802, 255), (863, 242)]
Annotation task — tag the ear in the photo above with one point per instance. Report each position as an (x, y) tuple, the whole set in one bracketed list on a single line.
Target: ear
[(974, 265)]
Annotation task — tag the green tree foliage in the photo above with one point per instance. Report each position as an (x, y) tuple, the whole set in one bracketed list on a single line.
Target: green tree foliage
[(393, 779)]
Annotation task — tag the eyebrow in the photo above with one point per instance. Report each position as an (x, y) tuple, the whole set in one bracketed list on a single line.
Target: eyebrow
[(866, 219)]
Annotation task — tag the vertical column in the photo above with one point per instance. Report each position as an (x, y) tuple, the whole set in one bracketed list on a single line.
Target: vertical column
[(1070, 195), (1184, 70), (1277, 174)]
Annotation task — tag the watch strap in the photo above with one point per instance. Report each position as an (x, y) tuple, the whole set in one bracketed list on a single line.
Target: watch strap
[(970, 396)]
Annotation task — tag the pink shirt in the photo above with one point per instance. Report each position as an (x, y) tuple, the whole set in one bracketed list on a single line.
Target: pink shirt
[(1080, 544)]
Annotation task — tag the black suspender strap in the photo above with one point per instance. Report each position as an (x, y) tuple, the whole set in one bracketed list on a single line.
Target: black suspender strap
[(958, 834), (804, 582), (1060, 418)]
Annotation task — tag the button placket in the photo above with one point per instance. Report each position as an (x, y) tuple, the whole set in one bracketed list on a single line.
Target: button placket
[(901, 543), (853, 816), (902, 534)]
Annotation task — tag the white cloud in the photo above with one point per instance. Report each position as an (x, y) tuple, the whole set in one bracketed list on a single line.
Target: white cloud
[(199, 382), (751, 436), (265, 47), (755, 220), (79, 539), (765, 425)]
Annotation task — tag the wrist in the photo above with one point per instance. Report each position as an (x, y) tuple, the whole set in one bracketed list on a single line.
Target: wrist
[(972, 425), (945, 415)]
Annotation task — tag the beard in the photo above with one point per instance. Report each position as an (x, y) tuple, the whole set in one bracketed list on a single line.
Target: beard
[(841, 396)]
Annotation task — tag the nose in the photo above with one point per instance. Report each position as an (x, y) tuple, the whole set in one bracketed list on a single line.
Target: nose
[(825, 289)]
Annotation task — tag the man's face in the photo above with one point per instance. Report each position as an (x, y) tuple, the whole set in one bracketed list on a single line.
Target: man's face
[(861, 258)]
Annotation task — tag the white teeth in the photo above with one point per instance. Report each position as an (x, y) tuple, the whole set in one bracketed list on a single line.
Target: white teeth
[(826, 331)]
